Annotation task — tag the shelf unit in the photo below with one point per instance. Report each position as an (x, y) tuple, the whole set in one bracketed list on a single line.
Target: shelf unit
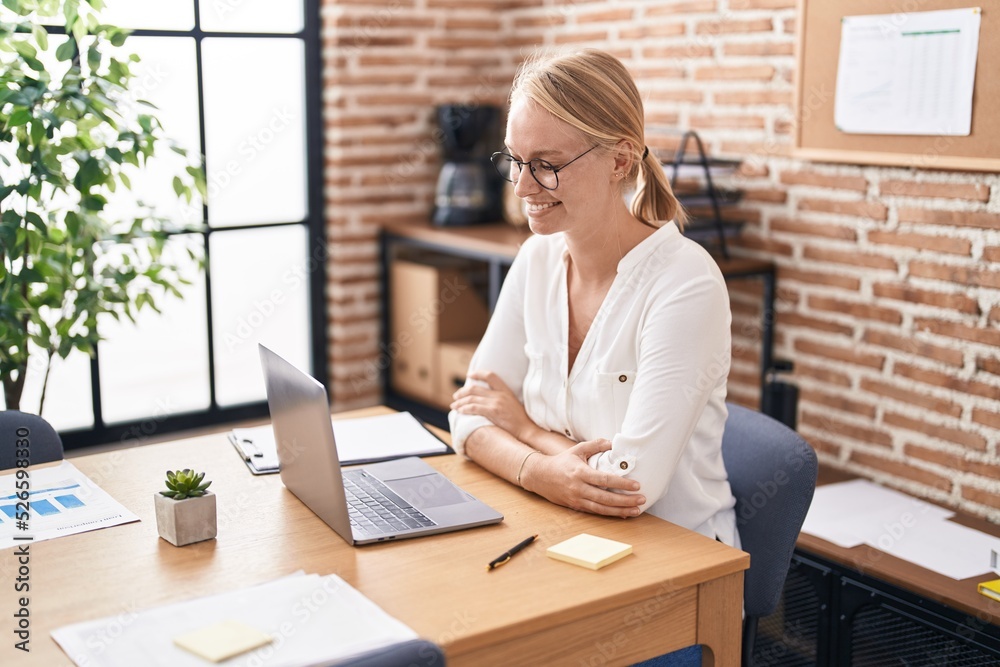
[(495, 245), (708, 205), (713, 219)]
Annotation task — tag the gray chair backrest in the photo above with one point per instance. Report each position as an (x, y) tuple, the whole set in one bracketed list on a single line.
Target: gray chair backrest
[(413, 653), (44, 444), (772, 472)]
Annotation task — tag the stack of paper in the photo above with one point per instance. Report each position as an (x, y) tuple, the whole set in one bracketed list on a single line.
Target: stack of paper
[(309, 619), (862, 512)]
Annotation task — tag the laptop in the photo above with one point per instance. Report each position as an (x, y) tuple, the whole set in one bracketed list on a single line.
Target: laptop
[(375, 503)]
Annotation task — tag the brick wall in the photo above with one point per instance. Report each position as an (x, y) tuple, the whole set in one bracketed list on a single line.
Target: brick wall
[(889, 278), (386, 65)]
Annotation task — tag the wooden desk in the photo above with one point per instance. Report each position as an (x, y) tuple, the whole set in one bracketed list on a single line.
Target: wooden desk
[(862, 606), (867, 560), (678, 588)]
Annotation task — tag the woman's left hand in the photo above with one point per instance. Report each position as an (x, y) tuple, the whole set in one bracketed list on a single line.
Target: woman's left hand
[(497, 403)]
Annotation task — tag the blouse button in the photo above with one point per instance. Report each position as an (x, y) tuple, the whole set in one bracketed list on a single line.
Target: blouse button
[(568, 434), (622, 378), (623, 465)]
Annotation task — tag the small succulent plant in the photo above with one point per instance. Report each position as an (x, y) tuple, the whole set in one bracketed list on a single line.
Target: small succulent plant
[(185, 484)]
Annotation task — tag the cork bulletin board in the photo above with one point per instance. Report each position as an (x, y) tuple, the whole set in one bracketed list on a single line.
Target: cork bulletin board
[(818, 49)]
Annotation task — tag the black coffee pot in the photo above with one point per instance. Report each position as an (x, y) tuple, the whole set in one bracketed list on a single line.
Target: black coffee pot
[(469, 190)]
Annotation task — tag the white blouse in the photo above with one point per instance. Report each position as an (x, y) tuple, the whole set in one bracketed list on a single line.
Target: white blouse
[(650, 375)]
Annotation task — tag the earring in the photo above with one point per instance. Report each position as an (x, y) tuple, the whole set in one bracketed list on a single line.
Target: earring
[(620, 174)]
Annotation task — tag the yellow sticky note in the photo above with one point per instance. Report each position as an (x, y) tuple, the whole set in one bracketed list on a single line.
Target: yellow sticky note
[(589, 551), (222, 641)]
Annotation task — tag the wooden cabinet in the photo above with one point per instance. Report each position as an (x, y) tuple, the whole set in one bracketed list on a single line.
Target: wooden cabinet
[(434, 303), (453, 363), (475, 258)]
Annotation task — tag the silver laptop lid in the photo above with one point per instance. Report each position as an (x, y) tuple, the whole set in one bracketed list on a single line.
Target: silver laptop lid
[(310, 466)]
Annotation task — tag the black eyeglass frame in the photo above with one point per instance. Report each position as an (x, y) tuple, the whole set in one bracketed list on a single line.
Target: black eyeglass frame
[(531, 166)]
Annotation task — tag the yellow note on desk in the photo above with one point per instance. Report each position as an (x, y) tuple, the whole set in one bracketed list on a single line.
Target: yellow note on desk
[(589, 551), (222, 641)]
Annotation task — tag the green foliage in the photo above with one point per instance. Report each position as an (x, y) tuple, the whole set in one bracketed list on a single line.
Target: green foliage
[(185, 484), (67, 143)]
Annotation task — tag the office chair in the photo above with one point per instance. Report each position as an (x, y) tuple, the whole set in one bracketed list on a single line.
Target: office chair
[(772, 472), (45, 445), (413, 653)]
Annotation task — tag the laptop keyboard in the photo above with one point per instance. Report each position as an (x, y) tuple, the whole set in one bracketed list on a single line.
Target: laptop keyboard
[(374, 508)]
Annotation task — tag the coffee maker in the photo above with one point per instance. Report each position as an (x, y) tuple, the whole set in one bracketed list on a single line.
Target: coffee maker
[(469, 190)]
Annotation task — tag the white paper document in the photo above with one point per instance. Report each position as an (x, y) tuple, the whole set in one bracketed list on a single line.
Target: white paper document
[(907, 73), (310, 619), (384, 437), (364, 439), (862, 512), (61, 501), (945, 547)]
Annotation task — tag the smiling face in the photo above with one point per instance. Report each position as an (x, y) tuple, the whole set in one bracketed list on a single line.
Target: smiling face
[(586, 191)]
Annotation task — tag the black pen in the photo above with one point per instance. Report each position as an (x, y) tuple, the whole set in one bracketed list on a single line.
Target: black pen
[(503, 558)]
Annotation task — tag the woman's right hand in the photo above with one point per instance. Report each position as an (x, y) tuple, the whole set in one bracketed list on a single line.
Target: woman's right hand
[(568, 480), (496, 402)]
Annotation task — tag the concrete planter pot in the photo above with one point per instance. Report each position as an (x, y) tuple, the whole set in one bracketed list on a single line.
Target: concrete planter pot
[(187, 521)]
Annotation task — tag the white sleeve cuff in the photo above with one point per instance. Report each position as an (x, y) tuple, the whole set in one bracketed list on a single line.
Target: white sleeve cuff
[(462, 427), (616, 464)]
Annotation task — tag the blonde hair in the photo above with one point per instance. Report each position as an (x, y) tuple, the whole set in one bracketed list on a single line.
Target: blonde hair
[(593, 92)]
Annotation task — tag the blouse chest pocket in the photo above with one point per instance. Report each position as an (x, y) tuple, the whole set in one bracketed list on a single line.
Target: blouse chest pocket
[(616, 389)]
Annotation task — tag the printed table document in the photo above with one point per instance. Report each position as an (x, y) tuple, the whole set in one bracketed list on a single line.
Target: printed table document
[(907, 73), (61, 501)]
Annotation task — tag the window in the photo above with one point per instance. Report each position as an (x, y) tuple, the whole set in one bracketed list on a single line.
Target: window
[(239, 81)]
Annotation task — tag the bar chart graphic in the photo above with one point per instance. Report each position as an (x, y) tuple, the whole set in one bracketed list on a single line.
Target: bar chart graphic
[(45, 502), (61, 501)]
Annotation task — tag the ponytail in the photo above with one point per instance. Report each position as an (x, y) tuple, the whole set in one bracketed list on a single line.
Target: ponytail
[(592, 91), (654, 201)]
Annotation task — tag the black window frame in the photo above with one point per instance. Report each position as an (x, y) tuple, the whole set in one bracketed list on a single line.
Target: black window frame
[(138, 431)]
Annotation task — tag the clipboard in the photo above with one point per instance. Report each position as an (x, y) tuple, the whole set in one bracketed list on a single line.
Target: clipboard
[(360, 441), (258, 453)]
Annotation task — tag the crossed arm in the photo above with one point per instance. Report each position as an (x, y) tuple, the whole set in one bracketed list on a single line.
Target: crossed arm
[(558, 470)]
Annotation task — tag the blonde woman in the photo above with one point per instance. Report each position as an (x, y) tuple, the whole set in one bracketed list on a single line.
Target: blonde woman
[(600, 383)]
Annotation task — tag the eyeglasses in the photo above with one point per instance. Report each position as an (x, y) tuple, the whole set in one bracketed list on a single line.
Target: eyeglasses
[(545, 173)]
